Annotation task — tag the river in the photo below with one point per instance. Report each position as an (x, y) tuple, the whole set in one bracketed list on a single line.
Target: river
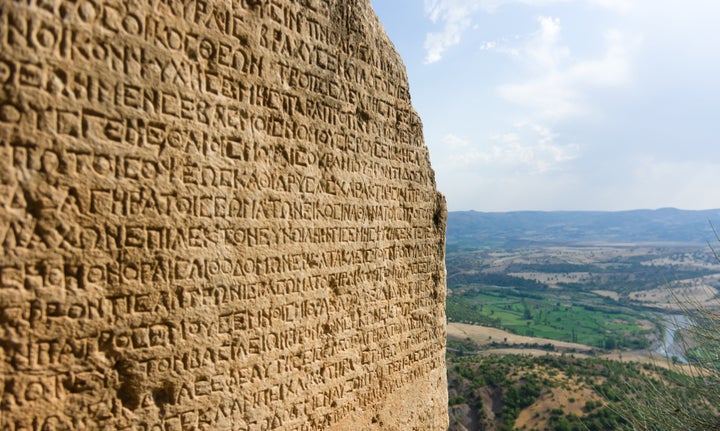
[(670, 347)]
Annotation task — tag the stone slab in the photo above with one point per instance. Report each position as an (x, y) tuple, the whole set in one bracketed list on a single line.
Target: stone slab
[(215, 215)]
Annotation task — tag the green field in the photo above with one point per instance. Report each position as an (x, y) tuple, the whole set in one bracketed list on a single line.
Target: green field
[(609, 297), (586, 318)]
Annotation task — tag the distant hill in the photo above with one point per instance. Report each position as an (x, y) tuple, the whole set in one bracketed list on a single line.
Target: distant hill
[(525, 228)]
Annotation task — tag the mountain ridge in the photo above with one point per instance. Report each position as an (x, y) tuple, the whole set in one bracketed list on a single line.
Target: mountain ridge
[(478, 229)]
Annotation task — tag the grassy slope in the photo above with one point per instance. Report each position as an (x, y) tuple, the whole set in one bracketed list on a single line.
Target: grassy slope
[(553, 393)]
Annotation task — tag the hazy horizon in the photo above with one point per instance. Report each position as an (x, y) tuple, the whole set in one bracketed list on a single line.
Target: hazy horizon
[(565, 104), (589, 210)]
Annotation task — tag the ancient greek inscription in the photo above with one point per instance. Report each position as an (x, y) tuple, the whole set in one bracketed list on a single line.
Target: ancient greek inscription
[(215, 215)]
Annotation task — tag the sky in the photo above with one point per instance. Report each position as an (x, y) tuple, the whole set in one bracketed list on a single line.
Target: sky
[(565, 104)]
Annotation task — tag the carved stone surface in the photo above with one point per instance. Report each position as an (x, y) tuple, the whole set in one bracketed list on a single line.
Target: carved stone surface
[(216, 215)]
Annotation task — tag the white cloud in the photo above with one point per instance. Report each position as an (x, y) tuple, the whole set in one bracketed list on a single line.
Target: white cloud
[(548, 97), (558, 83), (614, 68), (454, 142), (531, 148), (489, 46), (456, 16), (544, 51)]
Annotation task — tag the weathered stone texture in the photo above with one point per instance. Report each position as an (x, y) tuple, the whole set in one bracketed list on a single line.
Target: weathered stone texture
[(215, 215)]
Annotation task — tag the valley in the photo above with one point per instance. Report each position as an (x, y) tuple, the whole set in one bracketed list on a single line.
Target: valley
[(578, 294)]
